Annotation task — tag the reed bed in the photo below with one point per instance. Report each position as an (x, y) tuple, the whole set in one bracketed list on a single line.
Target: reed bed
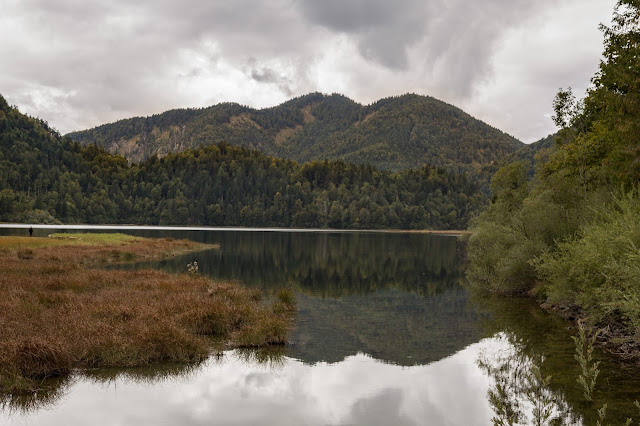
[(58, 312)]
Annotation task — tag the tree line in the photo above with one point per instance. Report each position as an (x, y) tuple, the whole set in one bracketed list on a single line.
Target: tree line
[(570, 234)]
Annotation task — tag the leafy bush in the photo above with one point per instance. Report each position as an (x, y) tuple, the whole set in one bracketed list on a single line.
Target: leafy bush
[(499, 259), (599, 269), (38, 216), (515, 231)]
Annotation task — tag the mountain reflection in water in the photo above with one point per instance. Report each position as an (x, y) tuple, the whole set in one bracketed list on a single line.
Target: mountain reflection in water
[(396, 297)]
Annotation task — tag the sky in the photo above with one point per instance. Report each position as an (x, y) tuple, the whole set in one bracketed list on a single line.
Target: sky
[(81, 63)]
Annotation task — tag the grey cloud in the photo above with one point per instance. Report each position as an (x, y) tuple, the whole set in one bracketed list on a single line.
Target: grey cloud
[(80, 63), (352, 15), (265, 75), (456, 36), (458, 47), (384, 29), (125, 59), (388, 51), (269, 76)]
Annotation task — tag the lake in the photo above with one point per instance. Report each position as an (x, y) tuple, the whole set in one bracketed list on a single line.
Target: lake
[(387, 333)]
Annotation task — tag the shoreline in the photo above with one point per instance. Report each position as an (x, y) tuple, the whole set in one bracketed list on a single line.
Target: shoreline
[(222, 228), (611, 337)]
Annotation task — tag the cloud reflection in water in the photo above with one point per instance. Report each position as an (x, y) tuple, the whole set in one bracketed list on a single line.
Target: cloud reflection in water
[(235, 391)]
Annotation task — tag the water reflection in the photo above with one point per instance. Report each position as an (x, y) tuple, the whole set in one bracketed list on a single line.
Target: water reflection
[(393, 326), (487, 382), (396, 297), (519, 392), (328, 264), (386, 334), (538, 340), (46, 397)]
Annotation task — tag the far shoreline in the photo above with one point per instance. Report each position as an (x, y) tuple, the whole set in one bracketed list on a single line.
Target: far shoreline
[(455, 233)]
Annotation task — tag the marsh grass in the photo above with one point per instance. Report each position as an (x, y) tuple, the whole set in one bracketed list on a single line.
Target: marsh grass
[(58, 312), (95, 239), (62, 239)]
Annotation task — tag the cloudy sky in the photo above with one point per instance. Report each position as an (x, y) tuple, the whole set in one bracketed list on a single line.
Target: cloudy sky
[(81, 63)]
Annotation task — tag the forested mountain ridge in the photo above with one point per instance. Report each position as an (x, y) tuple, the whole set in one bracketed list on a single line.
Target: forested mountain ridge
[(45, 177), (526, 156), (395, 133)]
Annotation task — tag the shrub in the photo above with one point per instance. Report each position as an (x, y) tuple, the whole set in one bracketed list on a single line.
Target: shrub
[(499, 260), (505, 241), (599, 269)]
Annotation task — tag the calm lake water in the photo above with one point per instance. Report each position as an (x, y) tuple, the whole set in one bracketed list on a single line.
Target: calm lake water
[(387, 334)]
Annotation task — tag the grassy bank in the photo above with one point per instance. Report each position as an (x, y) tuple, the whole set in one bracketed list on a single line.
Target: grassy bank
[(60, 311)]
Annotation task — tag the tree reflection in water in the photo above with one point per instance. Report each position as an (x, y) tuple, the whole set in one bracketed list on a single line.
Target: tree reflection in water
[(536, 345), (519, 393)]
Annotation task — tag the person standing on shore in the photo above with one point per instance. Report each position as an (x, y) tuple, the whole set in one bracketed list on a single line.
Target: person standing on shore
[(31, 231)]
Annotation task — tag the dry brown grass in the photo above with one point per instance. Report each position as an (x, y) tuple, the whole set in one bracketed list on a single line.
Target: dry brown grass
[(56, 314)]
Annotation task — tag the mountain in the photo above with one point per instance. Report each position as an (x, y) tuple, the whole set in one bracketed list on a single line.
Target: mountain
[(396, 133)]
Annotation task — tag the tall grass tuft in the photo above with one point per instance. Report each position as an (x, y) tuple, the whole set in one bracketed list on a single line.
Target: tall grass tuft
[(25, 254), (285, 302)]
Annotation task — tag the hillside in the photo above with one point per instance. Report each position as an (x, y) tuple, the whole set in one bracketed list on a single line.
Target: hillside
[(46, 178), (396, 133), (528, 152)]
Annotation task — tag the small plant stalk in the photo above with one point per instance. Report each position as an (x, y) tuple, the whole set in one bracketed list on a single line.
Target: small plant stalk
[(584, 356)]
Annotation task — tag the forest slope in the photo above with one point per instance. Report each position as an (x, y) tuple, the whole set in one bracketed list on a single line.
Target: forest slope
[(395, 133)]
